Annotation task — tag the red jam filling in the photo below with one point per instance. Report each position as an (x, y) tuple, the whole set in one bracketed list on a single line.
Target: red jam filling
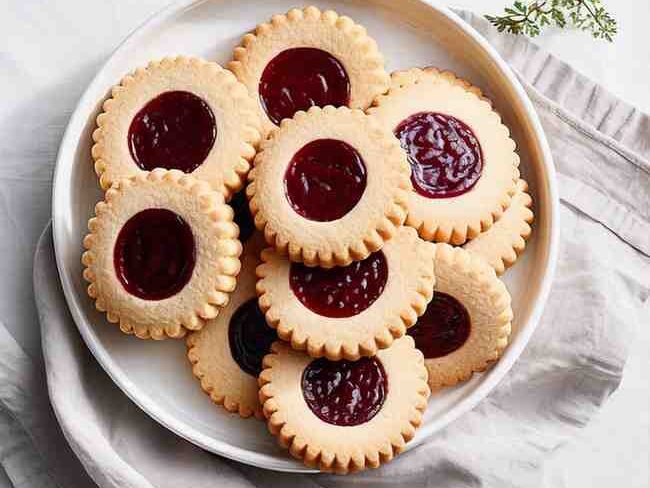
[(445, 156), (249, 337), (325, 179), (444, 327), (302, 77), (341, 291), (345, 392), (243, 217), (154, 254), (175, 130)]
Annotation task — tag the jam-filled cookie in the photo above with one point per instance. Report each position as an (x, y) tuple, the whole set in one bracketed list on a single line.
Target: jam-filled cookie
[(344, 416), (306, 58), (502, 243), (162, 254), (348, 311), (463, 161), (467, 323), (329, 187), (178, 113), (226, 354)]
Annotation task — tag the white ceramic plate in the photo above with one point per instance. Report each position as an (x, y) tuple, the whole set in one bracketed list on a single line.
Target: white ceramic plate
[(156, 375)]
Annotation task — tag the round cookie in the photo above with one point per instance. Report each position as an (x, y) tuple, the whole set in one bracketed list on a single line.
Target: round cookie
[(344, 416), (352, 311), (162, 254), (178, 113), (463, 162), (467, 323)]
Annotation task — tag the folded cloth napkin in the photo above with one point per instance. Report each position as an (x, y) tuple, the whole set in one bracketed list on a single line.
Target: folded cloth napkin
[(573, 362)]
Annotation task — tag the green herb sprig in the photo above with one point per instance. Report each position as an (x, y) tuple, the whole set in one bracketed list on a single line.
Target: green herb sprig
[(531, 17)]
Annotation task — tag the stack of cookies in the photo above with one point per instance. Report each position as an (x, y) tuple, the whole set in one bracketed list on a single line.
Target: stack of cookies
[(357, 271)]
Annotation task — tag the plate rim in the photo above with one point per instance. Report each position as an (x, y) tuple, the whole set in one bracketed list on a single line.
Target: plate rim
[(248, 456)]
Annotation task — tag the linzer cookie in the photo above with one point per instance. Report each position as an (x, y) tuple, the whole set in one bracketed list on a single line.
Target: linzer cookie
[(329, 187), (309, 58), (348, 311), (344, 416), (467, 323), (178, 113), (463, 162), (162, 254)]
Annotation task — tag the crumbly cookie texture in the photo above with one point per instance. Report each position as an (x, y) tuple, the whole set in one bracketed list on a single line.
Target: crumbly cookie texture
[(504, 242), (344, 449), (457, 219), (407, 292), (336, 34), (216, 259), (236, 116), (471, 281), (209, 349), (365, 228)]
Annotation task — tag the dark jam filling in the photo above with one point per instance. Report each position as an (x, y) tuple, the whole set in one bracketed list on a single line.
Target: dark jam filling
[(325, 180), (243, 217), (302, 77), (445, 156), (444, 327), (250, 338), (345, 392), (341, 291), (175, 130), (154, 254)]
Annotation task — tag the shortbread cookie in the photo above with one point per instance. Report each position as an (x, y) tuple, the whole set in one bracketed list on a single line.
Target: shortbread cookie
[(178, 113), (329, 187), (351, 311), (502, 243), (463, 162), (467, 324), (344, 416), (306, 58), (227, 353), (162, 254)]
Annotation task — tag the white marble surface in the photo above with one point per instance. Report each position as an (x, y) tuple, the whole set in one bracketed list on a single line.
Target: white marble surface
[(50, 50)]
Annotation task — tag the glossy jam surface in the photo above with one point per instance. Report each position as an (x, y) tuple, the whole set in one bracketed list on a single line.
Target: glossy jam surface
[(175, 130), (249, 337), (344, 392), (154, 254), (302, 77), (325, 180), (342, 291), (445, 156), (444, 327), (243, 217)]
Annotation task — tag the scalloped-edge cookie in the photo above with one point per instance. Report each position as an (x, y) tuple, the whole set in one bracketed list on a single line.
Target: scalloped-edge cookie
[(353, 311), (329, 187), (467, 324), (178, 113), (230, 378), (505, 241), (344, 416), (308, 57), (464, 164), (162, 254)]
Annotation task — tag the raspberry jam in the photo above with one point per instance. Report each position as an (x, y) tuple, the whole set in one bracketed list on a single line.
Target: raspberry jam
[(175, 130), (341, 291), (249, 337), (445, 156), (154, 254), (325, 179), (299, 78), (243, 217), (345, 392), (444, 327)]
